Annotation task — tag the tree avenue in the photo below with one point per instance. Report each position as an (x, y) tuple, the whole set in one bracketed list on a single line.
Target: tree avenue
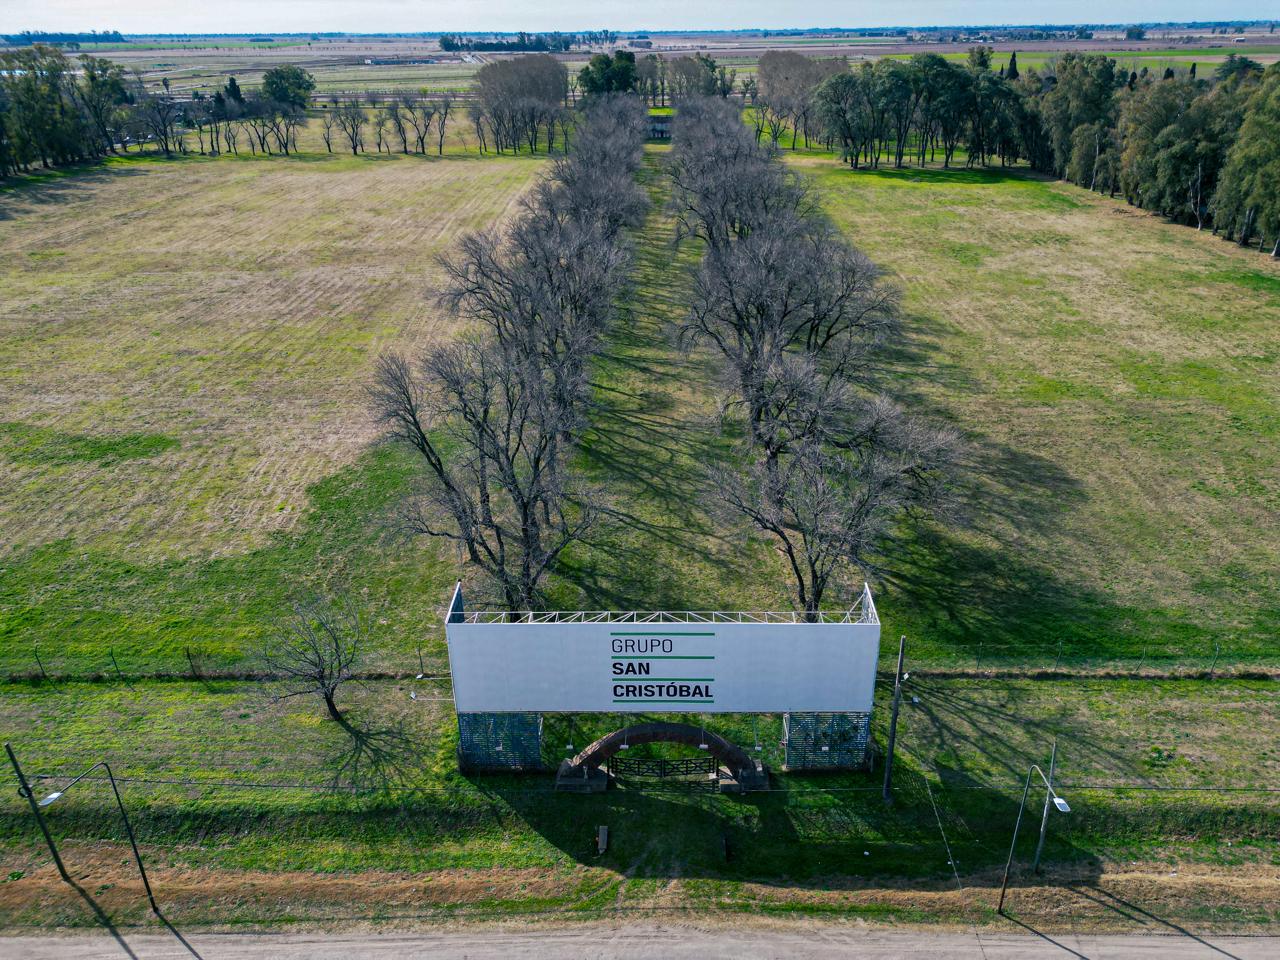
[(495, 417), (829, 467)]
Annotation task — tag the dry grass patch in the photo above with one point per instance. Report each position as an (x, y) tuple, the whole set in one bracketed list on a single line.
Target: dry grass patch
[(232, 308)]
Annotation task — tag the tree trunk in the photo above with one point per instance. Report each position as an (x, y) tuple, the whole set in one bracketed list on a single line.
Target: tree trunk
[(332, 707)]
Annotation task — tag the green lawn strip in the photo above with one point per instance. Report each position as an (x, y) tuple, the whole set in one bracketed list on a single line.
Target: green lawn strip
[(221, 776), (77, 602)]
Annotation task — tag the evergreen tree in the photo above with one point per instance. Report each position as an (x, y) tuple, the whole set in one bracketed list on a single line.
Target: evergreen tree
[(233, 91), (1247, 203), (1012, 72), (289, 85)]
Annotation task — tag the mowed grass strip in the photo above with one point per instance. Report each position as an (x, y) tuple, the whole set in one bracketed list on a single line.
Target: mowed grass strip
[(229, 783)]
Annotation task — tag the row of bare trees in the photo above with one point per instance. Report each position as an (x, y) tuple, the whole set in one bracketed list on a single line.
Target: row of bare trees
[(521, 102), (496, 415), (801, 319), (409, 123)]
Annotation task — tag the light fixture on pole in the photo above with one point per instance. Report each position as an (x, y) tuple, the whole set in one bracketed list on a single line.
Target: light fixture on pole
[(1059, 803), (36, 805)]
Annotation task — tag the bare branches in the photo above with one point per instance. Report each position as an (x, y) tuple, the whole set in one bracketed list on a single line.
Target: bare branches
[(316, 650), (798, 315), (495, 416)]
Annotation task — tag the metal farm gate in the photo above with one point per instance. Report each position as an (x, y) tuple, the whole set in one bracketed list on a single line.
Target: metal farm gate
[(685, 773)]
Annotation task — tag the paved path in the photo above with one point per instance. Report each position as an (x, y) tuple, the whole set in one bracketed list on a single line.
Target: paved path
[(648, 941)]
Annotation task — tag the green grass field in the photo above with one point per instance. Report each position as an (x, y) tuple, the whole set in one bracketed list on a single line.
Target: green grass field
[(185, 445), (1119, 377)]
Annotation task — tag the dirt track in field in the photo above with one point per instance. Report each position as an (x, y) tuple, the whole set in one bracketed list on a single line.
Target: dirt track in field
[(1133, 898)]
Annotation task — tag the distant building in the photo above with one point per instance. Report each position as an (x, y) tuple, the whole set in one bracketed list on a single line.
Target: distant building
[(659, 126)]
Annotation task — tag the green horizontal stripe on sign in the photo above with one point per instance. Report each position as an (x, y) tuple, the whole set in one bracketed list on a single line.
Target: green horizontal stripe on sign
[(633, 679), (666, 657), (664, 701), (658, 633)]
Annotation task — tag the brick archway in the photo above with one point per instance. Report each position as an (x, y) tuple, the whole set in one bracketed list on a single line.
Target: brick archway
[(741, 765)]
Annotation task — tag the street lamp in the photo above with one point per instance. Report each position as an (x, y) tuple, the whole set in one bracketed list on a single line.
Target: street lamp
[(1059, 803), (24, 790)]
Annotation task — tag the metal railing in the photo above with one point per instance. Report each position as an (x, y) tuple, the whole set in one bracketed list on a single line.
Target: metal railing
[(863, 610)]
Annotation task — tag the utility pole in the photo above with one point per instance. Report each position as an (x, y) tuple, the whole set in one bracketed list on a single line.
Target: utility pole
[(1044, 817), (893, 722), (25, 790)]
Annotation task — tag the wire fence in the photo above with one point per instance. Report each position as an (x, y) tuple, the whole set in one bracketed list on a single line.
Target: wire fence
[(110, 664)]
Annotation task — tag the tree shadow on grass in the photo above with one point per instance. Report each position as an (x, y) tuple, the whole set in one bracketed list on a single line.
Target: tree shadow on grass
[(947, 719), (374, 758), (67, 185), (817, 831)]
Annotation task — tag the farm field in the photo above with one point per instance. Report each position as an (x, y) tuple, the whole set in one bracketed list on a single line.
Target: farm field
[(185, 445), (186, 489), (1122, 379), (184, 346), (339, 65)]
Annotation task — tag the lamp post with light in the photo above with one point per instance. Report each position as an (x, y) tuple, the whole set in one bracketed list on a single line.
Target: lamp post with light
[(1059, 803), (25, 790)]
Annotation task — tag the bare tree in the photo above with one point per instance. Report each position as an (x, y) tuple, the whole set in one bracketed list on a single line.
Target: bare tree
[(328, 121), (477, 414), (794, 290), (316, 650), (352, 121), (495, 417), (831, 507), (726, 184), (798, 313), (399, 124), (380, 123), (441, 108), (419, 114), (160, 117)]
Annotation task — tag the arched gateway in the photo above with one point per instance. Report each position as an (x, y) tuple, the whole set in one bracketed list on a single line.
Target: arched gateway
[(583, 774), (511, 668)]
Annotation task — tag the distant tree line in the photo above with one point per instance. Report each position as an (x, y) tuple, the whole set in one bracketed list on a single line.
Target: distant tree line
[(496, 415), (524, 42), (1200, 150), (56, 111), (800, 319), (30, 37), (408, 123), (659, 81)]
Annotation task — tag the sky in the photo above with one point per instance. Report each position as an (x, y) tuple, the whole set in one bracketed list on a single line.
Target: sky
[(371, 16)]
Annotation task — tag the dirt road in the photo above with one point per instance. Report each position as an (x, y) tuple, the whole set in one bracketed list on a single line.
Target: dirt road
[(631, 942)]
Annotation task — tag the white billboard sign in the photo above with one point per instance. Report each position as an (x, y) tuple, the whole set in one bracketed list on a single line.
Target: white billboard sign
[(562, 663)]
